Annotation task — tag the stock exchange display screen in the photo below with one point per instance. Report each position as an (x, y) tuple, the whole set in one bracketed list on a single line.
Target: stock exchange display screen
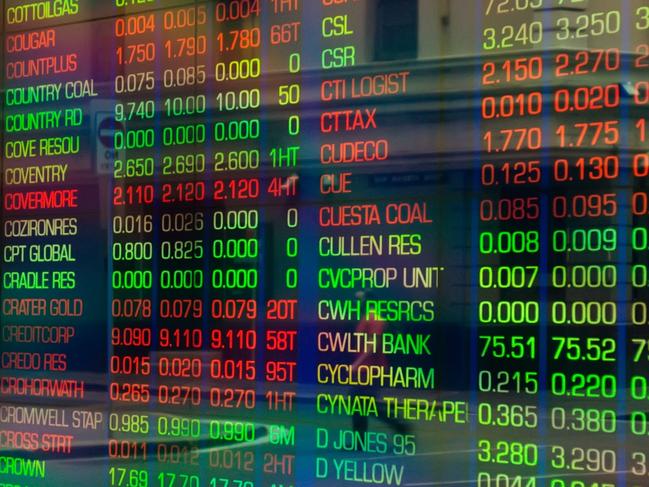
[(295, 243)]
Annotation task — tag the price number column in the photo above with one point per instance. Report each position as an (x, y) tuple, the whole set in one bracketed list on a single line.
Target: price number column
[(132, 246), (584, 273), (235, 229), (638, 333), (183, 191), (509, 271)]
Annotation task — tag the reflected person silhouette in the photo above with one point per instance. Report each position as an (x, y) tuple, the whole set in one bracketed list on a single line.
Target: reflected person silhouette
[(371, 323)]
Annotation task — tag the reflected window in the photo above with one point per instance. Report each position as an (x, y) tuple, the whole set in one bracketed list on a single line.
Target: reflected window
[(396, 30)]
